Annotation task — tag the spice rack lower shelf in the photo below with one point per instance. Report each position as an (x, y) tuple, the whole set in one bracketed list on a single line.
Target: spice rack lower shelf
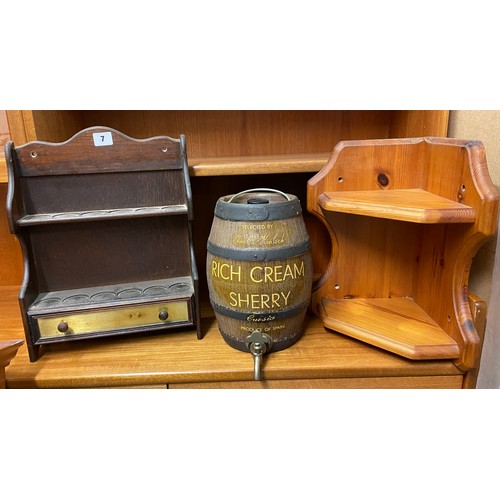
[(398, 325), (137, 307)]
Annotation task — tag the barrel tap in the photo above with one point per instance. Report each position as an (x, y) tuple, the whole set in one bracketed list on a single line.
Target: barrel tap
[(258, 344)]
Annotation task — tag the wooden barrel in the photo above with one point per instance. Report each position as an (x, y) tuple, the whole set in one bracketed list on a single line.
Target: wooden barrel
[(259, 267)]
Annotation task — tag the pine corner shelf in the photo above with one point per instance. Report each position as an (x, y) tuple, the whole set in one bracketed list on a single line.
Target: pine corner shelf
[(404, 218)]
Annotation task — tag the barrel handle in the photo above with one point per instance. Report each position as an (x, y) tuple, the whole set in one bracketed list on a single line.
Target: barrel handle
[(258, 189)]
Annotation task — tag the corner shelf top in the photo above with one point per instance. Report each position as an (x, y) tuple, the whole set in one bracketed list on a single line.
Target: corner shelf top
[(410, 205)]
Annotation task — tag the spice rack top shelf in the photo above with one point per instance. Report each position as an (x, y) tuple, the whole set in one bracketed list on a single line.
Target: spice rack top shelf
[(410, 205)]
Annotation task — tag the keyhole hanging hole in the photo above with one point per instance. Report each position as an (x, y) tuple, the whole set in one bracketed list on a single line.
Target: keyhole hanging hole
[(337, 287), (33, 154), (340, 179), (449, 319), (463, 188), (164, 149)]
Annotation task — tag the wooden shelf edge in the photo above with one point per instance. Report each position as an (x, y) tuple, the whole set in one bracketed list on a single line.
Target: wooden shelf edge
[(262, 164), (409, 205), (398, 325)]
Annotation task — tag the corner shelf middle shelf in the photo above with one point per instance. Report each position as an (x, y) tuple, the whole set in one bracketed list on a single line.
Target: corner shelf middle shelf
[(410, 205)]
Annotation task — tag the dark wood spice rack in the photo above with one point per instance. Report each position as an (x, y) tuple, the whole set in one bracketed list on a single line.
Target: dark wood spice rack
[(106, 236)]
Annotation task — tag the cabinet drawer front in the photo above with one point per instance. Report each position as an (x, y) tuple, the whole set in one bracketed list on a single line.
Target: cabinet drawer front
[(116, 319)]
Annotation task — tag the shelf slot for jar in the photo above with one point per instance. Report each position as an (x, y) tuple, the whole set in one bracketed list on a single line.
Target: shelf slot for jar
[(410, 205), (107, 310), (112, 295), (398, 325)]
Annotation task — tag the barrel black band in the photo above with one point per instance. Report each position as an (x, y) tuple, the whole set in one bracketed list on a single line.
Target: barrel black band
[(244, 212), (259, 254), (278, 344), (260, 318)]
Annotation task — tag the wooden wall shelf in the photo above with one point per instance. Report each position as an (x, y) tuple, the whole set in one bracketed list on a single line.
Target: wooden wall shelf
[(95, 265), (405, 218)]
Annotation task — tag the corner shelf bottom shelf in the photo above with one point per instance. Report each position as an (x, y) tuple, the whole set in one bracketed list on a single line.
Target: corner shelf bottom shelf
[(398, 325)]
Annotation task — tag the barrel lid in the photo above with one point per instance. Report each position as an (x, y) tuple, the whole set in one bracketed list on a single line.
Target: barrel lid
[(258, 204)]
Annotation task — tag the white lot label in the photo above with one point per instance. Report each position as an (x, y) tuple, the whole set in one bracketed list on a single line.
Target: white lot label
[(103, 139)]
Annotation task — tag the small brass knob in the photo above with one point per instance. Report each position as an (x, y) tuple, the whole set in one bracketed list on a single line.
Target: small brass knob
[(163, 315), (62, 327)]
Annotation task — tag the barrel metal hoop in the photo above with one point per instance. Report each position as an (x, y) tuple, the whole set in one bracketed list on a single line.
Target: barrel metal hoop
[(244, 213), (260, 318), (259, 190), (257, 254)]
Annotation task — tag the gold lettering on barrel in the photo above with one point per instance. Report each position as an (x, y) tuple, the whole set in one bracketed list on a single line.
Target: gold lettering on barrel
[(275, 274), (225, 271), (257, 286), (259, 300)]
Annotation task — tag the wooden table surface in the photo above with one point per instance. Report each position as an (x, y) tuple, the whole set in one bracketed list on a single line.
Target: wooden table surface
[(321, 358)]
